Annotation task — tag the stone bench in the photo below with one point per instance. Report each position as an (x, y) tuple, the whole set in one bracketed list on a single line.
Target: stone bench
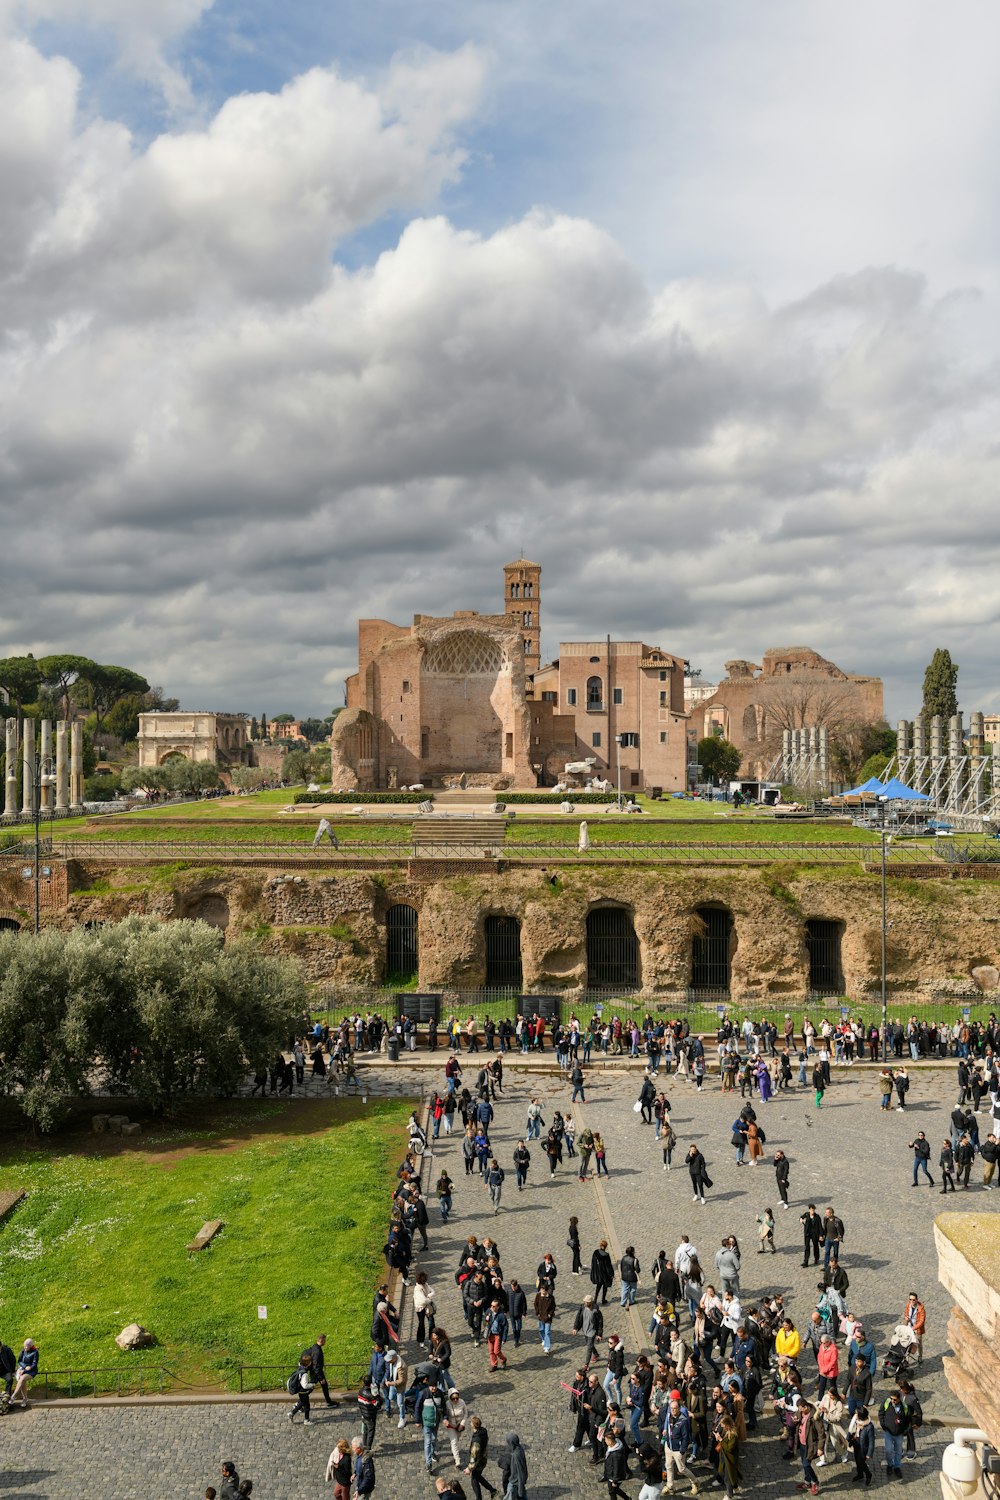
[(206, 1234), (10, 1200)]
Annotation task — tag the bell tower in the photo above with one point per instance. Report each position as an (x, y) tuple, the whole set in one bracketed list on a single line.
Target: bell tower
[(522, 601)]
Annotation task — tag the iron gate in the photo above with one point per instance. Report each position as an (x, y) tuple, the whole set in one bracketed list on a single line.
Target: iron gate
[(612, 950), (503, 953), (710, 956), (826, 977), (401, 956)]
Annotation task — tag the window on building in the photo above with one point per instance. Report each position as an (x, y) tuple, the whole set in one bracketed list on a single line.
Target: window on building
[(527, 646), (401, 949), (630, 740), (595, 740), (663, 736), (616, 695), (548, 697), (711, 949), (508, 744), (826, 976), (595, 695), (406, 686), (663, 700), (529, 591), (612, 949), (515, 591), (526, 619), (634, 775), (425, 744), (663, 676), (571, 697), (503, 953)]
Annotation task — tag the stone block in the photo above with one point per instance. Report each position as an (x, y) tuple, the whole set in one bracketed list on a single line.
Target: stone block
[(134, 1336), (116, 1123), (132, 1128), (99, 1123), (10, 1200), (206, 1234), (987, 977)]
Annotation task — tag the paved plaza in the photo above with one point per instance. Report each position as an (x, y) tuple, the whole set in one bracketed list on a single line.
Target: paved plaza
[(849, 1154)]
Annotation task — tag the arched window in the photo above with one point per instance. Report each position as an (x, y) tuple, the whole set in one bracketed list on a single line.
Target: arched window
[(711, 945), (503, 954), (515, 591), (612, 949), (529, 590), (823, 937), (7, 924), (401, 956), (595, 695)]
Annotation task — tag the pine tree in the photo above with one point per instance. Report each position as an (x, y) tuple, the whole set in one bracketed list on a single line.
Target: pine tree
[(940, 679), (253, 729)]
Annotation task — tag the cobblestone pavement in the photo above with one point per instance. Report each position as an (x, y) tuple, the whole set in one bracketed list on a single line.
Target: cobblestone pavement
[(848, 1154)]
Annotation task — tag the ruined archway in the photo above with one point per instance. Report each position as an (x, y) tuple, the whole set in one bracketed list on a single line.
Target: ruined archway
[(612, 949)]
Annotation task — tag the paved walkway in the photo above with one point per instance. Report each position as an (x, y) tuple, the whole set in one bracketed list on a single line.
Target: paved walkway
[(848, 1154)]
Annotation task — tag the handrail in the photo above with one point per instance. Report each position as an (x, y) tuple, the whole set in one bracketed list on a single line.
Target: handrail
[(342, 1376), (63, 1380)]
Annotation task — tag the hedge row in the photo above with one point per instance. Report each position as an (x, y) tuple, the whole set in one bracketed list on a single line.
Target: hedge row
[(358, 797), (600, 799)]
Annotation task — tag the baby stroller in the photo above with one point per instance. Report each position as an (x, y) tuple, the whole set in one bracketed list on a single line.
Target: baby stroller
[(901, 1352)]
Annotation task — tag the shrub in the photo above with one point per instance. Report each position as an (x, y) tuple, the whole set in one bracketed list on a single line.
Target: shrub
[(358, 797), (599, 799)]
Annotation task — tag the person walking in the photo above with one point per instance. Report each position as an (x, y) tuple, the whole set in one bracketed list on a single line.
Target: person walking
[(494, 1181), (423, 1306), (628, 1270), (444, 1190), (364, 1469), (522, 1161), (901, 1083), (299, 1385), (989, 1151), (921, 1148), (585, 1145), (600, 1154), (497, 1333), (698, 1172), (368, 1409), (946, 1161), (602, 1272), (578, 1081), (915, 1316), (678, 1437), (818, 1083), (573, 1242), (964, 1157), (808, 1444), (478, 1456), (340, 1470), (514, 1469), (861, 1432), (812, 1233), (781, 1165), (545, 1310), (615, 1466), (428, 1412), (894, 1420), (456, 1416), (589, 1322), (765, 1232)]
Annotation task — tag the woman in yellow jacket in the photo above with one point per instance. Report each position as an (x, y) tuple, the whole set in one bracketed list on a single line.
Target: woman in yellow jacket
[(787, 1341)]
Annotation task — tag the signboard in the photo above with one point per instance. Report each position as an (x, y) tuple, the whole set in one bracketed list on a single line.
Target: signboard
[(845, 1011), (720, 1011), (261, 1312), (966, 1013)]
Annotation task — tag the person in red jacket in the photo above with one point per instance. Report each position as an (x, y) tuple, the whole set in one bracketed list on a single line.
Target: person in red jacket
[(828, 1363), (915, 1314)]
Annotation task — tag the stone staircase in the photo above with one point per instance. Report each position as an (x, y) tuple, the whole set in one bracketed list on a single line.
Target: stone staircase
[(459, 837)]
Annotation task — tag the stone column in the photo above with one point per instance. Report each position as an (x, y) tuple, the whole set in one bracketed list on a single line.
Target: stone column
[(45, 773), (936, 754), (919, 782), (955, 750), (11, 801), (76, 767), (902, 740), (62, 769), (28, 767), (786, 755), (824, 756)]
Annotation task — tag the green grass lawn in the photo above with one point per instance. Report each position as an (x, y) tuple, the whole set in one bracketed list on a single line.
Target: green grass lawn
[(100, 1240)]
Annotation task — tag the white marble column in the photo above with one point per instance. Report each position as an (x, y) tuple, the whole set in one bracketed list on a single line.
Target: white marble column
[(28, 767), (62, 769), (11, 801), (76, 767), (45, 775)]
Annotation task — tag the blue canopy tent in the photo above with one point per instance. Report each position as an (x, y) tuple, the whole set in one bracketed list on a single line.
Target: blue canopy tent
[(871, 786), (895, 791)]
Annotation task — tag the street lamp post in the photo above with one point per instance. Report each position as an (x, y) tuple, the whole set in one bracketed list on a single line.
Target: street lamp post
[(42, 769), (618, 747)]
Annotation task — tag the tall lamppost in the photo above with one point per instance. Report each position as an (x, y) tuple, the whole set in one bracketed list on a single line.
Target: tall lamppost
[(618, 747), (885, 1027)]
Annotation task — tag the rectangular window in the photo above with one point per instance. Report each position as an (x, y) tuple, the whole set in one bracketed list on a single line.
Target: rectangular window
[(548, 697), (508, 745), (595, 740), (616, 695), (630, 741), (663, 736), (663, 676), (425, 744), (406, 686), (663, 700), (571, 697), (635, 778)]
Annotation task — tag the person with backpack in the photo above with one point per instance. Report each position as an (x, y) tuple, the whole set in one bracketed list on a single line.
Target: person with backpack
[(915, 1412), (901, 1082), (427, 1412), (299, 1384), (495, 1175)]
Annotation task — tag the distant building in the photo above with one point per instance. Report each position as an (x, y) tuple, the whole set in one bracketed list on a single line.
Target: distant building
[(278, 730), (991, 728), (222, 740)]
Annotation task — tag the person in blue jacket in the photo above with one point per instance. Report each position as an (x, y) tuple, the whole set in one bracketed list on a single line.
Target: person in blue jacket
[(27, 1369)]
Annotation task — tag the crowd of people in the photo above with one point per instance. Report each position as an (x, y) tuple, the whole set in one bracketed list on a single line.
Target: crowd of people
[(719, 1364)]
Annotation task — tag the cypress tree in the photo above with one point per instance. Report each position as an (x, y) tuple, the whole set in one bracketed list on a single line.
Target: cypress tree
[(940, 680)]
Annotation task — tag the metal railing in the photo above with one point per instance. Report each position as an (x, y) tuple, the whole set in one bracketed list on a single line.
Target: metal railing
[(259, 1378), (102, 1380)]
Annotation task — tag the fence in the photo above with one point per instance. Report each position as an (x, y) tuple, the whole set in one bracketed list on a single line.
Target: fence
[(342, 1377), (107, 1380), (738, 855)]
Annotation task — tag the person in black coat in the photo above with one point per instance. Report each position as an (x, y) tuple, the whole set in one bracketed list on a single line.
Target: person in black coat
[(668, 1284), (8, 1367), (317, 1366), (615, 1466), (602, 1272), (812, 1233), (698, 1173), (781, 1177)]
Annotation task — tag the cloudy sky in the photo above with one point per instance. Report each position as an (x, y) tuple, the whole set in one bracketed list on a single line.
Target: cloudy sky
[(311, 312)]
